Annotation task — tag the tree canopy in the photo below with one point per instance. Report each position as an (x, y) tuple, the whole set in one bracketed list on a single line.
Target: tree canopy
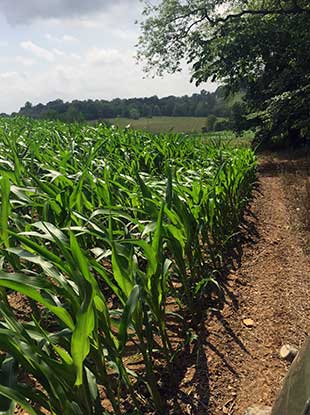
[(259, 46)]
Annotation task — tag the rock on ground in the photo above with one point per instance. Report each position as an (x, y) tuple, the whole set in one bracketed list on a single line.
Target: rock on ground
[(258, 410), (288, 352)]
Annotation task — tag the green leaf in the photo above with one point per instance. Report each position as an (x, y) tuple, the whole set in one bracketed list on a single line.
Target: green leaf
[(85, 320), (120, 274), (5, 209), (28, 286), (16, 396), (80, 342), (129, 308), (8, 377)]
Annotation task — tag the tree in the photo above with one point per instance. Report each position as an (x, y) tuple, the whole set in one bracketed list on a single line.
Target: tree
[(134, 113), (27, 109), (238, 116), (73, 114), (259, 46), (211, 122), (201, 110)]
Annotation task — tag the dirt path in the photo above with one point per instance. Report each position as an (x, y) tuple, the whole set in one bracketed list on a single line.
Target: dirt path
[(272, 287)]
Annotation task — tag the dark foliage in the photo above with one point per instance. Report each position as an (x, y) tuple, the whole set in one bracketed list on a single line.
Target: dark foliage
[(197, 105)]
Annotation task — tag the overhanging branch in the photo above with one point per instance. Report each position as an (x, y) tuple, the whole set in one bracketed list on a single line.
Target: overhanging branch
[(292, 11)]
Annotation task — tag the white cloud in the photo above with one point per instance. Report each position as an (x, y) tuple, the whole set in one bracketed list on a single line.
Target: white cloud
[(69, 38), (84, 23), (21, 11), (104, 56), (75, 56), (64, 38), (9, 76), (21, 60), (58, 52), (38, 51)]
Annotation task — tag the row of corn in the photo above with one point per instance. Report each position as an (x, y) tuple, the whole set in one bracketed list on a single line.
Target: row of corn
[(101, 230)]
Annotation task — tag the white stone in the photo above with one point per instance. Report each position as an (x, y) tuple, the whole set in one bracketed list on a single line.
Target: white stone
[(288, 352), (258, 410)]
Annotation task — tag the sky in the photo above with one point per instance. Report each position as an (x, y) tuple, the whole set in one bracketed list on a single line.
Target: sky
[(75, 49)]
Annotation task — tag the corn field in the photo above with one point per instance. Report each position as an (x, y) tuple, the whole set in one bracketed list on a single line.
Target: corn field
[(101, 229)]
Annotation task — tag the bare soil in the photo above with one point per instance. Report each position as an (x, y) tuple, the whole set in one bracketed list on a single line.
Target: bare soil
[(271, 287)]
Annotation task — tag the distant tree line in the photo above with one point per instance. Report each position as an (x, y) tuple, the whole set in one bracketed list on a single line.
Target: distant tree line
[(203, 104)]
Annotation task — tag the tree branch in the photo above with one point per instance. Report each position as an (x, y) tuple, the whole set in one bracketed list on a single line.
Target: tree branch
[(292, 11)]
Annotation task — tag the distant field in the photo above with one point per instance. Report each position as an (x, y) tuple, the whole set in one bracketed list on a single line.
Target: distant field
[(243, 140), (192, 125), (163, 124)]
